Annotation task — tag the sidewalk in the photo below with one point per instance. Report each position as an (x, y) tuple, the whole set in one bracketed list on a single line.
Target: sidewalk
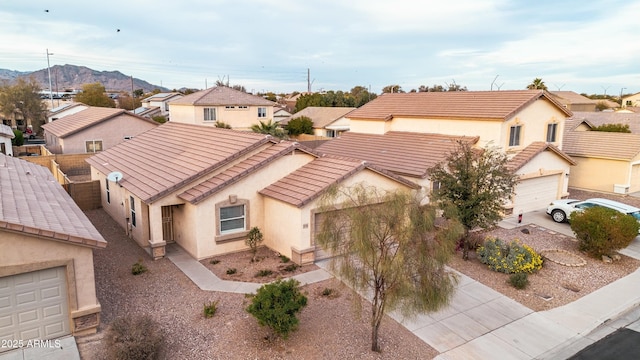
[(481, 323)]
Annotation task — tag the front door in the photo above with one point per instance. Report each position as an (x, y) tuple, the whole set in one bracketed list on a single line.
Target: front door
[(167, 224)]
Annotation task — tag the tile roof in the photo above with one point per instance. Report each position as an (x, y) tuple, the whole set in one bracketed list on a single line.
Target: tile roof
[(71, 124), (32, 202), (600, 144), (221, 95), (605, 117), (166, 158), (533, 149), (311, 180), (571, 97), (241, 170), (162, 96), (402, 153), (65, 107), (484, 105), (320, 115)]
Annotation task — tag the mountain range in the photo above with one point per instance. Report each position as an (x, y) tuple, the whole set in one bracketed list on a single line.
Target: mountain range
[(67, 77)]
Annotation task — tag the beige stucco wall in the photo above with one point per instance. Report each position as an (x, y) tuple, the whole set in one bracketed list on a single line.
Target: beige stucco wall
[(111, 132), (238, 119), (20, 251), (533, 119), (599, 174), (635, 100)]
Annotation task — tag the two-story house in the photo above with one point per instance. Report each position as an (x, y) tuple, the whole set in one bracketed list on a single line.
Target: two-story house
[(221, 104), (159, 101), (527, 125)]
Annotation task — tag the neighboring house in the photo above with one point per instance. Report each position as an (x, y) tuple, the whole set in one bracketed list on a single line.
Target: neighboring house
[(605, 161), (6, 134), (148, 112), (68, 108), (590, 119), (161, 101), (631, 100), (520, 123), (233, 107), (327, 121), (208, 195), (47, 283), (280, 113), (93, 129), (574, 101)]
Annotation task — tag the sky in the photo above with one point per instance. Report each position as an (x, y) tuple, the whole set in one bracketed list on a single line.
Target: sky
[(283, 45)]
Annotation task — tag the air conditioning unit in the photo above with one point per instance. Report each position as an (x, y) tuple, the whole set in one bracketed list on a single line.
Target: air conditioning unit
[(620, 189)]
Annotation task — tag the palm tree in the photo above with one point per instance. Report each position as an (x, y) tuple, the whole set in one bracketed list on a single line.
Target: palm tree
[(537, 83), (269, 128)]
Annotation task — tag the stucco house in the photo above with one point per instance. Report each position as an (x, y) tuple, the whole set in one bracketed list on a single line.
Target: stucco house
[(6, 134), (327, 121), (161, 101), (206, 196), (530, 122), (47, 285), (574, 101), (67, 108), (93, 129), (605, 161), (221, 103), (632, 100)]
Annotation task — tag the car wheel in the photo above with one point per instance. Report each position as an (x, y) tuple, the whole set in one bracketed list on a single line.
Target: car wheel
[(558, 216)]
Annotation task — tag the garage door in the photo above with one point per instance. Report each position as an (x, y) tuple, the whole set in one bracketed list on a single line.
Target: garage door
[(33, 305), (321, 254), (536, 193)]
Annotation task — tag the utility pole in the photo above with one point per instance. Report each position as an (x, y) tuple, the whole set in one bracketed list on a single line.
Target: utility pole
[(308, 81), (50, 85)]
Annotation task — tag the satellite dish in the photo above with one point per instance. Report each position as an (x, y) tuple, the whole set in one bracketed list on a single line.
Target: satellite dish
[(114, 176)]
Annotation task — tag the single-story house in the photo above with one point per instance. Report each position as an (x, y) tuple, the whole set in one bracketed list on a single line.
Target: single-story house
[(47, 284), (632, 100), (67, 108), (6, 134), (206, 196), (328, 122), (588, 120), (574, 101), (93, 129)]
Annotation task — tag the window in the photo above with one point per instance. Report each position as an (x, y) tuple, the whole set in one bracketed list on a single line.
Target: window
[(628, 103), (232, 219), (262, 112), (108, 192), (209, 114), (514, 135), (435, 186), (229, 107), (92, 146), (551, 132), (128, 137), (331, 133), (243, 107), (132, 205)]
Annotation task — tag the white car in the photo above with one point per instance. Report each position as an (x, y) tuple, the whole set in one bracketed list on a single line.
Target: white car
[(561, 210)]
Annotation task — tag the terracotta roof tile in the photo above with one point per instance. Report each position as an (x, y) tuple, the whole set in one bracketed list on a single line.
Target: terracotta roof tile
[(81, 120), (598, 118), (32, 201), (599, 144), (402, 153), (221, 95), (533, 149), (166, 158), (484, 105), (241, 170), (310, 181), (321, 116), (572, 97)]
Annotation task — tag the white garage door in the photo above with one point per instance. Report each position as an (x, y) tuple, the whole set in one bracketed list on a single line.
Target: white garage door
[(536, 193), (33, 305), (321, 254)]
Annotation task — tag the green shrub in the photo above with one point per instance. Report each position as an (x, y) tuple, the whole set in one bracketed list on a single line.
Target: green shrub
[(300, 125), (327, 292), (18, 138), (210, 309), (509, 258), (291, 267), (138, 268), (134, 337), (263, 273), (519, 280), (276, 304), (284, 259), (214, 261), (231, 271), (600, 230), (253, 240)]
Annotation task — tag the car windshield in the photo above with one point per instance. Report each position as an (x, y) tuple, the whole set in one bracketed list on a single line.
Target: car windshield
[(635, 214)]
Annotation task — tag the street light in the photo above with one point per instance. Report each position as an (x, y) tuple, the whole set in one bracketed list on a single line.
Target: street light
[(50, 86)]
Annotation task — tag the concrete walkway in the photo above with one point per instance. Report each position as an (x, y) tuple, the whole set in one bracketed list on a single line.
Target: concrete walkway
[(481, 323), (65, 349)]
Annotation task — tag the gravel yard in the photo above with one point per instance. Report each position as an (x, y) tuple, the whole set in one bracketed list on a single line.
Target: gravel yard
[(329, 327)]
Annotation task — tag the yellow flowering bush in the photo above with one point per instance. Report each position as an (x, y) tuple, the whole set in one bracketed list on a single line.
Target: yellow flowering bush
[(509, 258)]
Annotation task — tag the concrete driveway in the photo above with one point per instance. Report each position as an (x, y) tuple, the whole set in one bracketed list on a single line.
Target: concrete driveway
[(538, 218)]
